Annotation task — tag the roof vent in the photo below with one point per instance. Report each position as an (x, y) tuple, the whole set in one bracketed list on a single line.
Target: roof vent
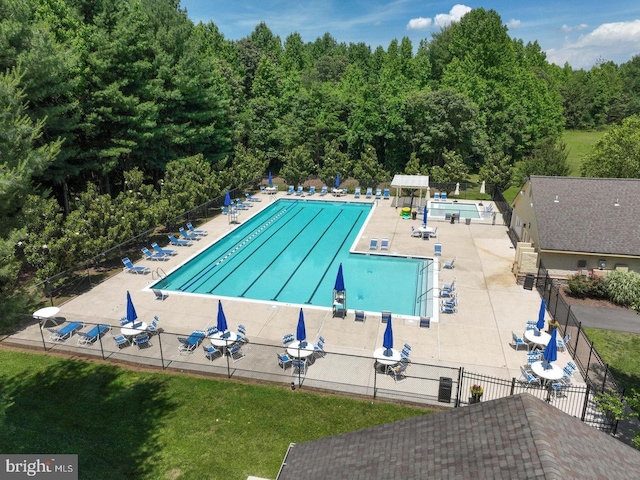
[(617, 204), (556, 200)]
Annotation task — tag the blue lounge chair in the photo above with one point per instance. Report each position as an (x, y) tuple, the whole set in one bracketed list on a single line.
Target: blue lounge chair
[(386, 194), (373, 244), (386, 316), (131, 268), (378, 194), (226, 211), (189, 344), (451, 287), (252, 199), (195, 231), (449, 264), (93, 334), (186, 235), (437, 249), (179, 243), (357, 193), (299, 191), (447, 309), (436, 196), (240, 205), (369, 192), (157, 248), (153, 328), (290, 190), (384, 244), (360, 316), (153, 256), (323, 190), (312, 190), (211, 352), (443, 196), (63, 334)]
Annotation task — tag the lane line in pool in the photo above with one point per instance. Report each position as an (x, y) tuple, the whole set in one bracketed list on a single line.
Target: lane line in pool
[(326, 271), (275, 298)]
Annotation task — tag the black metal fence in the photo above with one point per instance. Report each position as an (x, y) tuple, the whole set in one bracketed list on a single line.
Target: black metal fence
[(349, 374), (594, 370)]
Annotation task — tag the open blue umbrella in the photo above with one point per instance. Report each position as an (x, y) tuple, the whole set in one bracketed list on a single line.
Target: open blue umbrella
[(543, 307), (424, 216), (131, 310), (221, 323), (301, 333), (270, 180), (387, 340), (227, 199), (339, 280), (550, 353), (337, 180)]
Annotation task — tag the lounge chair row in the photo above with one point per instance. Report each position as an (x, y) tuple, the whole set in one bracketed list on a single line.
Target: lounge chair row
[(379, 194), (384, 244)]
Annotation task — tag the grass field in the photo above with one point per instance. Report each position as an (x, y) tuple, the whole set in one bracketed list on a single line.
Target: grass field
[(579, 143), (154, 425), (620, 351)]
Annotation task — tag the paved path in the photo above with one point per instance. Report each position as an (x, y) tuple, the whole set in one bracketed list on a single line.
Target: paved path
[(607, 318)]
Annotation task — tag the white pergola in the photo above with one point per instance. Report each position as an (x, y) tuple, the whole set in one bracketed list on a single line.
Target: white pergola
[(419, 182)]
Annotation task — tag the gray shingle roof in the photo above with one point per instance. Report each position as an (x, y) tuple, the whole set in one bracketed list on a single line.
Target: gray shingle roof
[(585, 218), (517, 437)]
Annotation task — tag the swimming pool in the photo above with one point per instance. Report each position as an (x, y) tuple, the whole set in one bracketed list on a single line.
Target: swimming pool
[(465, 210), (290, 253)]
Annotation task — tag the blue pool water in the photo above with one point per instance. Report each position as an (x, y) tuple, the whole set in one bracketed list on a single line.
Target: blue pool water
[(465, 210), (290, 252)]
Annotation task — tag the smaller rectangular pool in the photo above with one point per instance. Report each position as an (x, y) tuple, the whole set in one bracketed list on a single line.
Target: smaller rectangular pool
[(463, 210)]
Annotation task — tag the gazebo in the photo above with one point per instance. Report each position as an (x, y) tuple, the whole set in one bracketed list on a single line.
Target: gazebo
[(414, 182)]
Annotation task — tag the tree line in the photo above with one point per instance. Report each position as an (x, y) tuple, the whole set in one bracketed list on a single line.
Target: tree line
[(118, 114)]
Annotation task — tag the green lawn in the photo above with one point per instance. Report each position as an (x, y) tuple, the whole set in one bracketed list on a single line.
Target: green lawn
[(621, 351), (579, 143), (127, 424)]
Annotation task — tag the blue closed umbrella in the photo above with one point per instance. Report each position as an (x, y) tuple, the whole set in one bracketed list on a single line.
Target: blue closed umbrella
[(387, 340), (424, 215), (540, 323), (301, 333), (339, 287), (337, 180), (131, 310), (221, 322), (227, 199), (550, 353), (270, 180)]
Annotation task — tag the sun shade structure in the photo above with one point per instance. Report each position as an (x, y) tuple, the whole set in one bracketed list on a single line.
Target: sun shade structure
[(418, 182)]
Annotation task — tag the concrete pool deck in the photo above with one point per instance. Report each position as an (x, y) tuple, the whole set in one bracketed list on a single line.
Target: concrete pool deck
[(491, 304)]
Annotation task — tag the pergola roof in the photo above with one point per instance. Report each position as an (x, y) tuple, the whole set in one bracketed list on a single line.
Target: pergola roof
[(410, 181)]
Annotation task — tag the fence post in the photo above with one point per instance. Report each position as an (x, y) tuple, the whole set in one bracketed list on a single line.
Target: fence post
[(604, 378), (375, 382), (586, 374), (513, 386), (160, 344), (586, 402), (460, 377)]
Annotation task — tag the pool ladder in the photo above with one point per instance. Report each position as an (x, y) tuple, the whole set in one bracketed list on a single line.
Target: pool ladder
[(158, 274)]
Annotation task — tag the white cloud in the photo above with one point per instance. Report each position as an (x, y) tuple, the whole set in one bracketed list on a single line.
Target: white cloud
[(617, 42), (419, 23), (567, 28), (513, 23), (454, 15)]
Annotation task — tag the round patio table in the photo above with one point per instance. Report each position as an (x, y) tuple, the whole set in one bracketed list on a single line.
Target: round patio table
[(218, 341), (295, 350), (128, 330), (538, 341)]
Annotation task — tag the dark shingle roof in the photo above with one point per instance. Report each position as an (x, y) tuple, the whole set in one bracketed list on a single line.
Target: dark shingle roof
[(514, 437), (585, 219)]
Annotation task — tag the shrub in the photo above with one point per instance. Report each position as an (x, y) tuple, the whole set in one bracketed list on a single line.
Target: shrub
[(623, 287), (578, 286)]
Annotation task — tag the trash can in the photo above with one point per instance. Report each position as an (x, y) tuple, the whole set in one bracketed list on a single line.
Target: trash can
[(453, 218), (444, 392), (529, 280), (414, 214), (467, 221)]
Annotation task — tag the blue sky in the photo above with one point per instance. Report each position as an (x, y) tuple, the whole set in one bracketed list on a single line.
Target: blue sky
[(580, 32)]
